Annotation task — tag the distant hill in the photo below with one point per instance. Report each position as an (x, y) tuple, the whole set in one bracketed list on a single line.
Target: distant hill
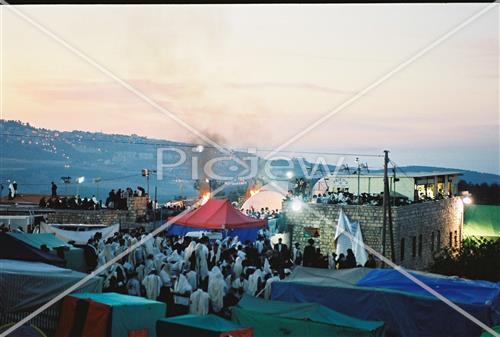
[(35, 156)]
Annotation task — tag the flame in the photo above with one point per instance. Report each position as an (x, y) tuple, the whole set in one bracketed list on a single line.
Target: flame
[(254, 191), (204, 198)]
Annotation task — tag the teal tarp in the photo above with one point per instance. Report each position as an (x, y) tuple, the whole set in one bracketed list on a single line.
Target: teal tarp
[(75, 257), (129, 312), (404, 313)]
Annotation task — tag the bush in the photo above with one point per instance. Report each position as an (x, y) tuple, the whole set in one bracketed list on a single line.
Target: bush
[(477, 259)]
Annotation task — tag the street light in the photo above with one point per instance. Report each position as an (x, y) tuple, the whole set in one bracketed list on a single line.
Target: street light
[(79, 181), (296, 205), (96, 181)]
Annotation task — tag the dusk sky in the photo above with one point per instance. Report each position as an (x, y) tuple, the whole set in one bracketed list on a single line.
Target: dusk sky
[(257, 75)]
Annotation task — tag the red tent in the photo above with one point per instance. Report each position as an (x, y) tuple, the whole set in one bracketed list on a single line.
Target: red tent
[(218, 214)]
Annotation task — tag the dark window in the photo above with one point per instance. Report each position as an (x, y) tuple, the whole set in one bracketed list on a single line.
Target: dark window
[(450, 240), (402, 249), (456, 239), (438, 240), (413, 246), (432, 241), (420, 245)]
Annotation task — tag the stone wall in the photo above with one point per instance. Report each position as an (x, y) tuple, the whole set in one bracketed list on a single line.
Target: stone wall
[(136, 215), (443, 217)]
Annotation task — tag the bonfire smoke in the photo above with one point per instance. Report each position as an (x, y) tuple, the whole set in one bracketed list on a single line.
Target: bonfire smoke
[(200, 159)]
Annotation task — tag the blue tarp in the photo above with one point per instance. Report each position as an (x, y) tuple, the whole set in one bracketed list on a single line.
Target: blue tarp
[(243, 234), (455, 289), (404, 313)]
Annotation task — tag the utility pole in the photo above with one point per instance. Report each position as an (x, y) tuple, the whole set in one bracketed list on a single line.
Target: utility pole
[(387, 211), (359, 173)]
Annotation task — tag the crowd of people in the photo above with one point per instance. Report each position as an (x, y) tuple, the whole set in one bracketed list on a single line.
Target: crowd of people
[(346, 198), (72, 202), (200, 275), (263, 213), (118, 199)]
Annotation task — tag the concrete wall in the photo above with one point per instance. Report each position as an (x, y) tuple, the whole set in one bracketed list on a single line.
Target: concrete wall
[(134, 216), (409, 221)]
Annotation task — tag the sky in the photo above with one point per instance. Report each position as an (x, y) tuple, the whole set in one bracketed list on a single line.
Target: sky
[(257, 75)]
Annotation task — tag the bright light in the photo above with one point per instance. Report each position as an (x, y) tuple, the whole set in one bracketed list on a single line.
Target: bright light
[(296, 205), (199, 148), (467, 200), (289, 174), (80, 180), (204, 198)]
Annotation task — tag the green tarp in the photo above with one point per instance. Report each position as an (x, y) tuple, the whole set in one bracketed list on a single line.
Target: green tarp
[(487, 334), (482, 221), (129, 312), (75, 257), (208, 322), (199, 326), (276, 318)]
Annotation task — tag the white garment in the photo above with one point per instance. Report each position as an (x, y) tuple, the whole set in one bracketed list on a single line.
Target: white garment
[(192, 279), (182, 285), (253, 282), (216, 289), (201, 260), (199, 303), (152, 283), (165, 278), (238, 267)]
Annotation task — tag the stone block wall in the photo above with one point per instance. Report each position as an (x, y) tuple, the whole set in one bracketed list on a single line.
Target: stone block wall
[(134, 216), (443, 217)]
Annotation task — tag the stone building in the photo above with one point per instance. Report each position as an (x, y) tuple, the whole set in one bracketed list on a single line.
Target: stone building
[(413, 185), (419, 229)]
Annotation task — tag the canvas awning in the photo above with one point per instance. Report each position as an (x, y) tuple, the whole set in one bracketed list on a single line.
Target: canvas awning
[(218, 214)]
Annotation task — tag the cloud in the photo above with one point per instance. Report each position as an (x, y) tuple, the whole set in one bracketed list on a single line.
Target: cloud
[(286, 85)]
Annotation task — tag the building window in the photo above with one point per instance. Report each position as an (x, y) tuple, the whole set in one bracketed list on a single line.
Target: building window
[(456, 239), (450, 240), (420, 245), (402, 249), (413, 246), (438, 241), (432, 241)]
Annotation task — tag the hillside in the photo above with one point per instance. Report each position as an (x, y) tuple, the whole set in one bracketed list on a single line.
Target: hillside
[(34, 157)]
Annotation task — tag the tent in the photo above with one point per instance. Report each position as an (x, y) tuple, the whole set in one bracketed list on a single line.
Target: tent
[(218, 214), (482, 221), (200, 326), (263, 199), (108, 314), (15, 249), (276, 318), (78, 235), (74, 256), (27, 285), (376, 294), (348, 236)]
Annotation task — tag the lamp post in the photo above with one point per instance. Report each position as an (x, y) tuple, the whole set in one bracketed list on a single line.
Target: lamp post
[(96, 181), (66, 181), (79, 181)]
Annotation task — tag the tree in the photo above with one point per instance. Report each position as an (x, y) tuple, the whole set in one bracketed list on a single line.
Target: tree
[(477, 259)]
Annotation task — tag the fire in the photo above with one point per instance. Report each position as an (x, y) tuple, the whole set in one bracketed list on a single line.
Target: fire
[(204, 198), (254, 191)]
